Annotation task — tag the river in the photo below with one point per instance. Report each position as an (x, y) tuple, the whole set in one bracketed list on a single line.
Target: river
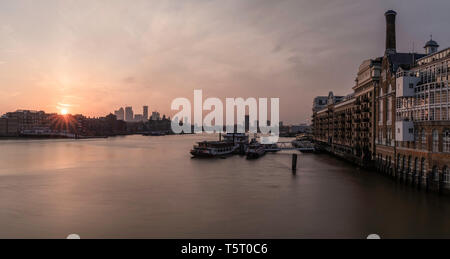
[(149, 187)]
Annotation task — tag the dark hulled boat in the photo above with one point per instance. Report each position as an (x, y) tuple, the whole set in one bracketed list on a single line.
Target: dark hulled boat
[(213, 149)]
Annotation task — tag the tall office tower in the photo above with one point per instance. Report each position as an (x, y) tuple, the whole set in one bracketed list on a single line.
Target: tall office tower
[(120, 114), (155, 116), (129, 115), (145, 113)]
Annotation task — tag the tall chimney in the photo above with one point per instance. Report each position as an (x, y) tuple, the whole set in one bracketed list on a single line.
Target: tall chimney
[(390, 32)]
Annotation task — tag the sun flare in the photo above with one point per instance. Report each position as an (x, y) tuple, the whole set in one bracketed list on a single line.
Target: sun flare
[(64, 111)]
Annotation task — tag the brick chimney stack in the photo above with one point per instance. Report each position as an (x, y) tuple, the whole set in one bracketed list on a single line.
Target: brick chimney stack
[(391, 45)]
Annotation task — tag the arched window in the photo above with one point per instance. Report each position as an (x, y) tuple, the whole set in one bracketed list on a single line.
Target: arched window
[(446, 175), (435, 141), (446, 141), (422, 166), (416, 165), (403, 163), (410, 164), (435, 174), (424, 139)]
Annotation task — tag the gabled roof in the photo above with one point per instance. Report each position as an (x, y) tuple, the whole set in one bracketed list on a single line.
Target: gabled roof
[(404, 60)]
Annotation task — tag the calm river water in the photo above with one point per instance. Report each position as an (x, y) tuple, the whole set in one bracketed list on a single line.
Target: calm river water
[(149, 187)]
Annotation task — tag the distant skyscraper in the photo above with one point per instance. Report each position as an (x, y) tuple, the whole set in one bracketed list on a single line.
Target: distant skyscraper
[(129, 115), (145, 112), (120, 114), (138, 117), (155, 116)]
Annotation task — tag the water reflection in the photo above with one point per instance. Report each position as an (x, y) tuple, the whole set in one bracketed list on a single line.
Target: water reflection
[(138, 186)]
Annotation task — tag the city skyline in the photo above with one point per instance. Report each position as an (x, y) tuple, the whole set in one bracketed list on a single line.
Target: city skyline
[(88, 56)]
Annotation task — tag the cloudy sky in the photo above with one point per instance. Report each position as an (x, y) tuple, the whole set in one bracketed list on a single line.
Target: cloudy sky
[(95, 56)]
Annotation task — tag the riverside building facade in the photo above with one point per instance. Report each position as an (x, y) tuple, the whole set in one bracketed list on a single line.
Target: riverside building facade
[(397, 119)]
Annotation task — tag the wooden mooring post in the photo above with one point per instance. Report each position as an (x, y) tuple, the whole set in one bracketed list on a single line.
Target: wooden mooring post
[(294, 162)]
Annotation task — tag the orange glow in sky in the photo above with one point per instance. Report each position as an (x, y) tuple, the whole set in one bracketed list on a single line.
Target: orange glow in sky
[(93, 57)]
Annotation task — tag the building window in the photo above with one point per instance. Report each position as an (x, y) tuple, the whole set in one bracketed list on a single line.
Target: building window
[(446, 141), (435, 141), (435, 174), (423, 167), (388, 140), (389, 110), (446, 174), (416, 164), (410, 164), (380, 111), (424, 139)]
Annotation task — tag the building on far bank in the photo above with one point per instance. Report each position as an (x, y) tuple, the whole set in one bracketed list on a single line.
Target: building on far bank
[(129, 115), (397, 118), (14, 123), (145, 112), (9, 127), (120, 114), (155, 116)]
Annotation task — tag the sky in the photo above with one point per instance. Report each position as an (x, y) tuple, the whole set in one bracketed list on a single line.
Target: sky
[(92, 57)]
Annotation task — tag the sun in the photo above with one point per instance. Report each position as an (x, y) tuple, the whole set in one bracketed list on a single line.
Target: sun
[(64, 111)]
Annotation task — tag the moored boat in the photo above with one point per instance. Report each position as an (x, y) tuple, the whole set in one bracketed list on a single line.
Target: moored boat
[(255, 150), (213, 149), (240, 139)]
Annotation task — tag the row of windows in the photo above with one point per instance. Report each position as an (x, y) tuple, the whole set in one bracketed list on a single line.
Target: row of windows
[(424, 114), (436, 97), (435, 140)]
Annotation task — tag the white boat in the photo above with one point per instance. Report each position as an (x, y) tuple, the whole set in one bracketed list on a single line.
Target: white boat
[(213, 149)]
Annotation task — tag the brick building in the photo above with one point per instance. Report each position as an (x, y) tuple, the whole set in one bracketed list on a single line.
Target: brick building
[(397, 116)]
